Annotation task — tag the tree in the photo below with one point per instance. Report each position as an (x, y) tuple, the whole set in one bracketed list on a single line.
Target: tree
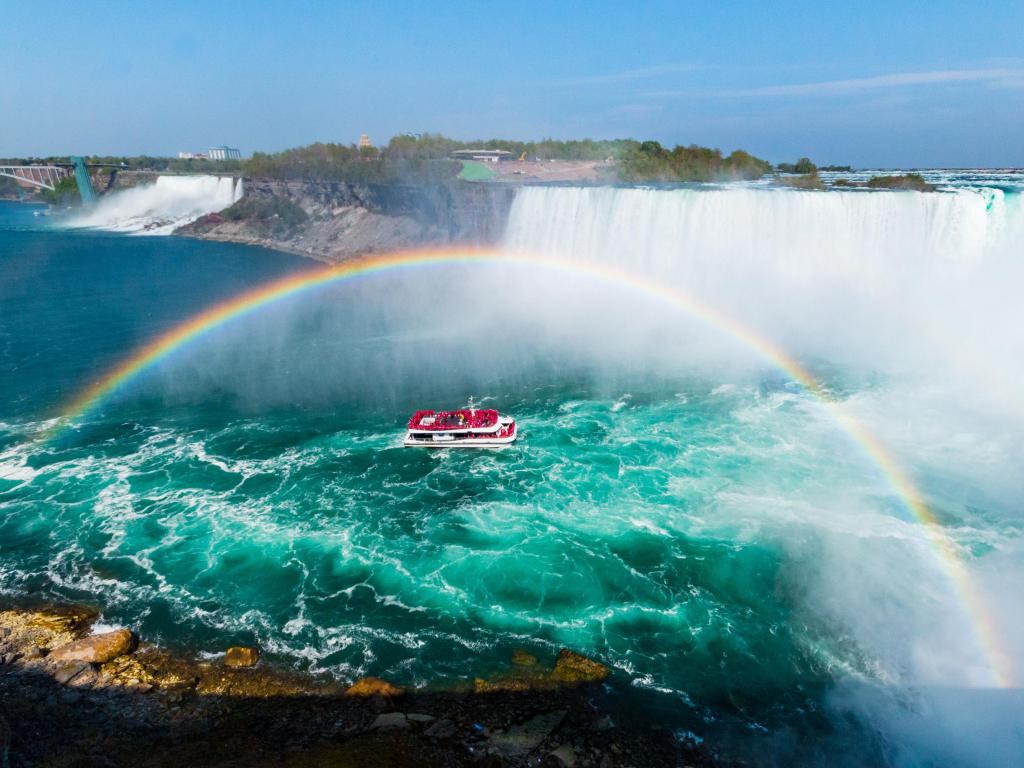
[(805, 166), (65, 192)]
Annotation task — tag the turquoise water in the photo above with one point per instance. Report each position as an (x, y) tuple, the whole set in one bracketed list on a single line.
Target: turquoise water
[(688, 525)]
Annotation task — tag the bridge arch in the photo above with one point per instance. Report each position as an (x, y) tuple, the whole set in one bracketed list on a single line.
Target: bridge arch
[(42, 176), (48, 176)]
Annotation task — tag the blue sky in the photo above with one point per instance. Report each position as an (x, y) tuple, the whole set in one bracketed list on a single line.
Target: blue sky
[(866, 83)]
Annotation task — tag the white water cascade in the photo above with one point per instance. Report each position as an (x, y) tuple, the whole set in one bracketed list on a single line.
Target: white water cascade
[(894, 279), (915, 298), (160, 208)]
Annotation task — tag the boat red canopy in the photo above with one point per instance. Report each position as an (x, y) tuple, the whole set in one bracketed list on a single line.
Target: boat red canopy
[(480, 418)]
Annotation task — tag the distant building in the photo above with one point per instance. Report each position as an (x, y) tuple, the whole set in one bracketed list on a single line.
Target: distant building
[(481, 155), (191, 156), (364, 141), (224, 153)]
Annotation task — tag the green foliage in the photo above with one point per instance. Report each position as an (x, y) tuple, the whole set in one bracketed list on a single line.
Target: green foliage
[(8, 187), (63, 194), (804, 181), (649, 161), (279, 212), (435, 146), (423, 158), (166, 164), (802, 166), (340, 162), (743, 165), (913, 181)]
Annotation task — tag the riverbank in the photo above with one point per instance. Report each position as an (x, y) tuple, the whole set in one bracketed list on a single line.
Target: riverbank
[(74, 694), (332, 221), (335, 221)]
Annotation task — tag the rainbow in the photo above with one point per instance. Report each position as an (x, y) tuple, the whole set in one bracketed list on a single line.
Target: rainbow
[(280, 290)]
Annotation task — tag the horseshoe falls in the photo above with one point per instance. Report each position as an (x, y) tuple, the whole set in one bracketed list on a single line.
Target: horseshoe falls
[(880, 278), (745, 551)]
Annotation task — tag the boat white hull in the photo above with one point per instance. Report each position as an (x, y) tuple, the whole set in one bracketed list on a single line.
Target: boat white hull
[(460, 443), (442, 440)]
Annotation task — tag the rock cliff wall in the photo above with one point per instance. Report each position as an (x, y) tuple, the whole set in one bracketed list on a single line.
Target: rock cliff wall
[(341, 220)]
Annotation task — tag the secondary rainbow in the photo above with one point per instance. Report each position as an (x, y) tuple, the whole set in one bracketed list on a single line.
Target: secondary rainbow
[(280, 290)]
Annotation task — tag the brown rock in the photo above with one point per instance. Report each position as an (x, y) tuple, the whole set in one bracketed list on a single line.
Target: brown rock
[(33, 632), (523, 658), (68, 670), (241, 656), (442, 729), (520, 740), (88, 679), (573, 668), (62, 619), (96, 649), (389, 722), (564, 756), (508, 683), (373, 686)]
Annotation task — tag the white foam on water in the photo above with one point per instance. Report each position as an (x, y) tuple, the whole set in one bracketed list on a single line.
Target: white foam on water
[(99, 627), (162, 207), (904, 281), (920, 293), (14, 467)]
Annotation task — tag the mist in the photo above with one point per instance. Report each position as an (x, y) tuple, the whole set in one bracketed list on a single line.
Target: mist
[(905, 305), (161, 207)]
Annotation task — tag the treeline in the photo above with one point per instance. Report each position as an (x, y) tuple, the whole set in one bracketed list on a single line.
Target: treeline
[(64, 193), (434, 145), (424, 158), (8, 187), (168, 164), (139, 163), (406, 157), (347, 162), (650, 161), (635, 160), (803, 165)]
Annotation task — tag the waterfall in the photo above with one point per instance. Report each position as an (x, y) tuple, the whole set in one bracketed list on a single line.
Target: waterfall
[(879, 276), (693, 234), (160, 208)]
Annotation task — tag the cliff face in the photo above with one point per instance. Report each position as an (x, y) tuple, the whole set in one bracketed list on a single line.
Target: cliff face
[(341, 220)]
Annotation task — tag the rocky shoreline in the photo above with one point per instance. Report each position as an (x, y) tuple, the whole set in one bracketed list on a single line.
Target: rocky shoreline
[(335, 221), (71, 696)]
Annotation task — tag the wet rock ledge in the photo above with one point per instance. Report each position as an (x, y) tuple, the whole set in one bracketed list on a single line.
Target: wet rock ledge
[(71, 697)]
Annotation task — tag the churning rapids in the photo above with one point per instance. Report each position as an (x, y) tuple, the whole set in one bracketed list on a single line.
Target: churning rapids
[(677, 506)]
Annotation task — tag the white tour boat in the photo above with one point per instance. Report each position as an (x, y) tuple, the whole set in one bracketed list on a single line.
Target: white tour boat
[(466, 428)]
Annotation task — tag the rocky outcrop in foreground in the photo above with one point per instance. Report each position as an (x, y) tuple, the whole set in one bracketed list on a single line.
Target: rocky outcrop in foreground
[(70, 697)]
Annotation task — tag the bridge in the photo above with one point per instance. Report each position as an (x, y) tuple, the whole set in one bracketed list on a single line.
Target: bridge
[(42, 176), (50, 175)]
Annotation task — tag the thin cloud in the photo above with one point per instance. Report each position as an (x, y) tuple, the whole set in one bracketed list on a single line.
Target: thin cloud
[(1011, 84), (634, 110), (629, 75), (898, 80)]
